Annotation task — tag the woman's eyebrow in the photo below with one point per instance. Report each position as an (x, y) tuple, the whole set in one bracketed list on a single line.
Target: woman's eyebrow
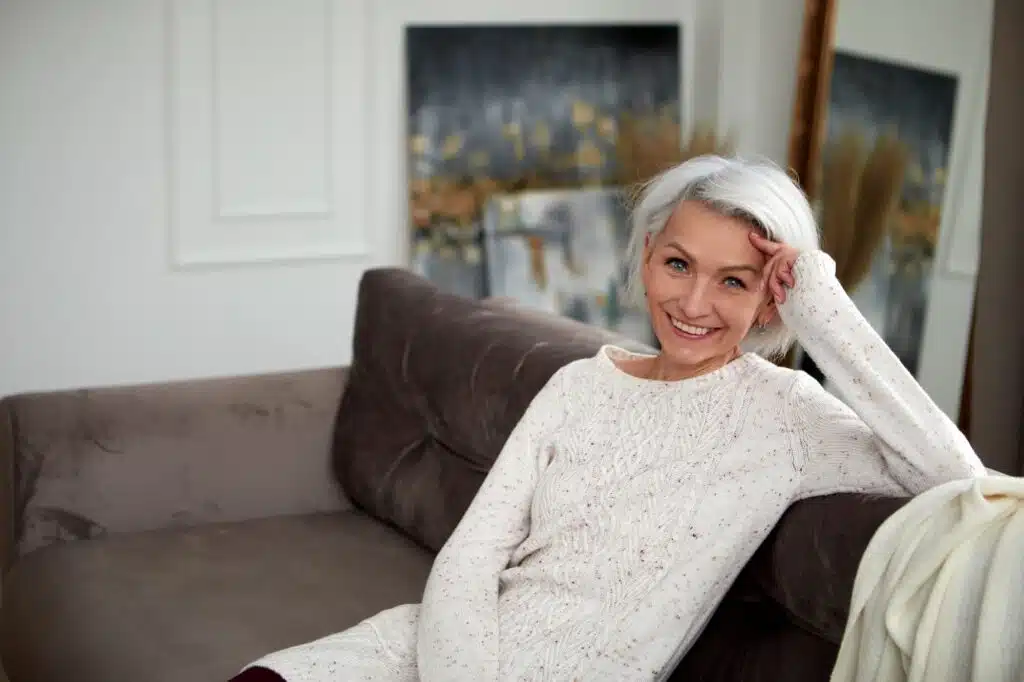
[(743, 267)]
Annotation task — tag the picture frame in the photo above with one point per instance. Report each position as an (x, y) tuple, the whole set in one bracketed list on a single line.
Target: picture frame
[(273, 174), (918, 37), (389, 164), (564, 118)]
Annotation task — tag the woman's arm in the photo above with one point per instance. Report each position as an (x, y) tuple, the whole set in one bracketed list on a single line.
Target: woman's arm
[(894, 439), (458, 628)]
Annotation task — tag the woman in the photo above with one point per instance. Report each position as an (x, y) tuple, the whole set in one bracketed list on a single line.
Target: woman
[(635, 487)]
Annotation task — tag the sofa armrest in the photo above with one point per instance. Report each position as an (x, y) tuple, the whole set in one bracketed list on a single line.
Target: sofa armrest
[(77, 464), (809, 563)]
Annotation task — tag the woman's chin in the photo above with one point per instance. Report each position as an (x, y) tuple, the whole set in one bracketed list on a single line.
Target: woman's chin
[(688, 355), (687, 350)]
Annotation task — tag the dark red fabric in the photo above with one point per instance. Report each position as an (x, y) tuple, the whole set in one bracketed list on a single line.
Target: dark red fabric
[(257, 675)]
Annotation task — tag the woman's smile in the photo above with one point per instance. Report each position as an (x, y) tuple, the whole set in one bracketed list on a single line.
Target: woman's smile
[(690, 331)]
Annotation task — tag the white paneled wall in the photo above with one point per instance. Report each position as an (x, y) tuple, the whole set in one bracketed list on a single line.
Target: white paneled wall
[(194, 187), (267, 146), (181, 197), (140, 136)]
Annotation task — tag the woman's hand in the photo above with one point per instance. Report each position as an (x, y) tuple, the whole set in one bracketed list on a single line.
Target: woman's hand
[(778, 271)]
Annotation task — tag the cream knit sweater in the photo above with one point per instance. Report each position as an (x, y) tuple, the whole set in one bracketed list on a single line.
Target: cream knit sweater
[(620, 510)]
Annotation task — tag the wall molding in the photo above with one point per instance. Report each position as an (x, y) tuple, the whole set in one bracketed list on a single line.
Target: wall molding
[(267, 148)]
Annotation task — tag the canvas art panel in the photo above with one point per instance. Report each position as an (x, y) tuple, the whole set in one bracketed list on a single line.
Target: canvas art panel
[(500, 109), (869, 98), (562, 251)]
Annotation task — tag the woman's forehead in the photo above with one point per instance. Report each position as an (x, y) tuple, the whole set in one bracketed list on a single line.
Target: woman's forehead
[(712, 237)]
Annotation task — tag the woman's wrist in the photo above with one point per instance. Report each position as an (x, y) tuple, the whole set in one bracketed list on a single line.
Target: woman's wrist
[(814, 266), (814, 274)]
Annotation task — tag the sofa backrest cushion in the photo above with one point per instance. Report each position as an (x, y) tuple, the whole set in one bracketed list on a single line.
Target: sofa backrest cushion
[(436, 385), (809, 563)]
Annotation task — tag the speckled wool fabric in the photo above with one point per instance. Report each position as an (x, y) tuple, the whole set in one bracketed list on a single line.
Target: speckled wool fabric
[(621, 510)]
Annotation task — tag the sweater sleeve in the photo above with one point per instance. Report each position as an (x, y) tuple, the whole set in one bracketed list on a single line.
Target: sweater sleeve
[(458, 628), (888, 436)]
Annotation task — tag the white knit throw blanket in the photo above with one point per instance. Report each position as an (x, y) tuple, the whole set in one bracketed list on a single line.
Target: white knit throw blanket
[(939, 594)]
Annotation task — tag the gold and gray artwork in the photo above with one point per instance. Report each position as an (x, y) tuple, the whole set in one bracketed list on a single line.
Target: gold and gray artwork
[(884, 172), (504, 109)]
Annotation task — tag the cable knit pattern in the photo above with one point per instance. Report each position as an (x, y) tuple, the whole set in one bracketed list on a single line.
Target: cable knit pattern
[(620, 510)]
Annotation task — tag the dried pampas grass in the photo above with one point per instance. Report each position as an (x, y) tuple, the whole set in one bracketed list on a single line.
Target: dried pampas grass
[(644, 147), (858, 202), (860, 195), (841, 174), (877, 203)]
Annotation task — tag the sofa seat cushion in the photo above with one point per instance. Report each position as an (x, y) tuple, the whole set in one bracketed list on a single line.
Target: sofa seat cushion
[(198, 604), (755, 642)]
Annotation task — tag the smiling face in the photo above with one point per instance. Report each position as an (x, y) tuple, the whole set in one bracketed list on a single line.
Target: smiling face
[(702, 275)]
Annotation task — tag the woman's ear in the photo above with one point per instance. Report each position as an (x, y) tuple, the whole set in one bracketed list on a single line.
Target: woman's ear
[(648, 249), (645, 262), (768, 312)]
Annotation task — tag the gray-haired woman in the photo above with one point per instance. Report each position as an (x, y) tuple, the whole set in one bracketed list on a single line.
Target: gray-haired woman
[(635, 487)]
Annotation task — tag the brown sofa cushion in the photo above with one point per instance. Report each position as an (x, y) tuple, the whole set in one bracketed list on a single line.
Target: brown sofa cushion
[(809, 563), (436, 385), (189, 604), (754, 642)]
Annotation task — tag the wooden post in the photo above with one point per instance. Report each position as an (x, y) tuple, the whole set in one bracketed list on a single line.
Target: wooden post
[(967, 392), (810, 108), (810, 104)]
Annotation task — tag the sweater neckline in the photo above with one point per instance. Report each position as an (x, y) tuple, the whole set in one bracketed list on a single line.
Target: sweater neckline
[(608, 354)]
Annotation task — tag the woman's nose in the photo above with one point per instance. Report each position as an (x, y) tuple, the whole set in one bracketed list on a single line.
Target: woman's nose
[(696, 302)]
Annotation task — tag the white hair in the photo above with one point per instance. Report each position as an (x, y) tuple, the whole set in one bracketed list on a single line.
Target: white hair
[(757, 191)]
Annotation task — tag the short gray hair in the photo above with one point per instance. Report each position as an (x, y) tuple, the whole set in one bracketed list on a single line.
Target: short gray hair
[(757, 191)]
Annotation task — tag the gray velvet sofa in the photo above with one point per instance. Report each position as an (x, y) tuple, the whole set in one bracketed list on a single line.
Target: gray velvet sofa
[(175, 532)]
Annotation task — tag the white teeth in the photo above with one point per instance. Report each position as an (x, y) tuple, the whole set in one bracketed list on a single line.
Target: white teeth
[(689, 329)]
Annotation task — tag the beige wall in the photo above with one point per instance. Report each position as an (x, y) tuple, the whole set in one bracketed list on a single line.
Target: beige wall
[(998, 371), (107, 157), (89, 291)]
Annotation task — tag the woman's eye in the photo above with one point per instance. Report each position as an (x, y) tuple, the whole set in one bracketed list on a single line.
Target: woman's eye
[(735, 283), (677, 264)]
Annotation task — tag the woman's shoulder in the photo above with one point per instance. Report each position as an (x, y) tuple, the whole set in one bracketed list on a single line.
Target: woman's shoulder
[(603, 360), (600, 369), (797, 390), (793, 391), (574, 371), (762, 370)]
